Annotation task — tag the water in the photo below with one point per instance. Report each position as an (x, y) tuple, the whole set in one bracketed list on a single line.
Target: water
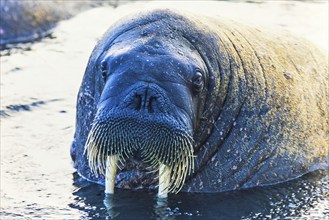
[(39, 85), (307, 197)]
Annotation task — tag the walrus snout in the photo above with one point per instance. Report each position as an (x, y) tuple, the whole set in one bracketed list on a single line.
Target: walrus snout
[(139, 130), (160, 141)]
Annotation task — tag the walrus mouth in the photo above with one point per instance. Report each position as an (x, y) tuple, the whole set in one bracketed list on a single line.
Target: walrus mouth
[(160, 140)]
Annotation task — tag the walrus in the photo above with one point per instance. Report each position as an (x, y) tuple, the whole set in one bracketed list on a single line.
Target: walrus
[(200, 104)]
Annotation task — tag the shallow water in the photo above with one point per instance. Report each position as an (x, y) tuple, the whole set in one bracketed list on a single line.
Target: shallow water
[(38, 94)]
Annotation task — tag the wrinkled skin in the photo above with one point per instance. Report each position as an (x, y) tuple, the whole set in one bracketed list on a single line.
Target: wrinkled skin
[(260, 117)]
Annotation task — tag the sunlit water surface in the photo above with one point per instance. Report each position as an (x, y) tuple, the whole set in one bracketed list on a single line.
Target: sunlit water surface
[(38, 94)]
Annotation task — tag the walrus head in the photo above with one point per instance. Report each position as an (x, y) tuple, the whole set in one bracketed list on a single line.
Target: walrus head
[(147, 108), (150, 84)]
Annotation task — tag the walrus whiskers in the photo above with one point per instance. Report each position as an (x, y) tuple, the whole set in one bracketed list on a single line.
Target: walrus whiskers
[(170, 152)]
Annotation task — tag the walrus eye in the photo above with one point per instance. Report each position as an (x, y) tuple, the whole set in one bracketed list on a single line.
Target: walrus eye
[(198, 82), (104, 70)]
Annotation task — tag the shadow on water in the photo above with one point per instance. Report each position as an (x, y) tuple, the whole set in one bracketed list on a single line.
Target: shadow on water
[(294, 199)]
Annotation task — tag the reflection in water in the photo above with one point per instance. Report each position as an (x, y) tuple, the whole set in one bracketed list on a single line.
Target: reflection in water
[(295, 199), (161, 209), (110, 204)]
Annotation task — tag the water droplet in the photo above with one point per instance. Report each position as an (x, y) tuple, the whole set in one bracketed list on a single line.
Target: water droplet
[(180, 52), (144, 33)]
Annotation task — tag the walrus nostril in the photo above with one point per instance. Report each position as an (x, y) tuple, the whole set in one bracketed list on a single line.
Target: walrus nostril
[(144, 102), (139, 102), (150, 104)]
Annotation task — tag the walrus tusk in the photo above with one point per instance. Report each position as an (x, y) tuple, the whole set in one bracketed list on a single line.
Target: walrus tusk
[(164, 177), (111, 170)]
